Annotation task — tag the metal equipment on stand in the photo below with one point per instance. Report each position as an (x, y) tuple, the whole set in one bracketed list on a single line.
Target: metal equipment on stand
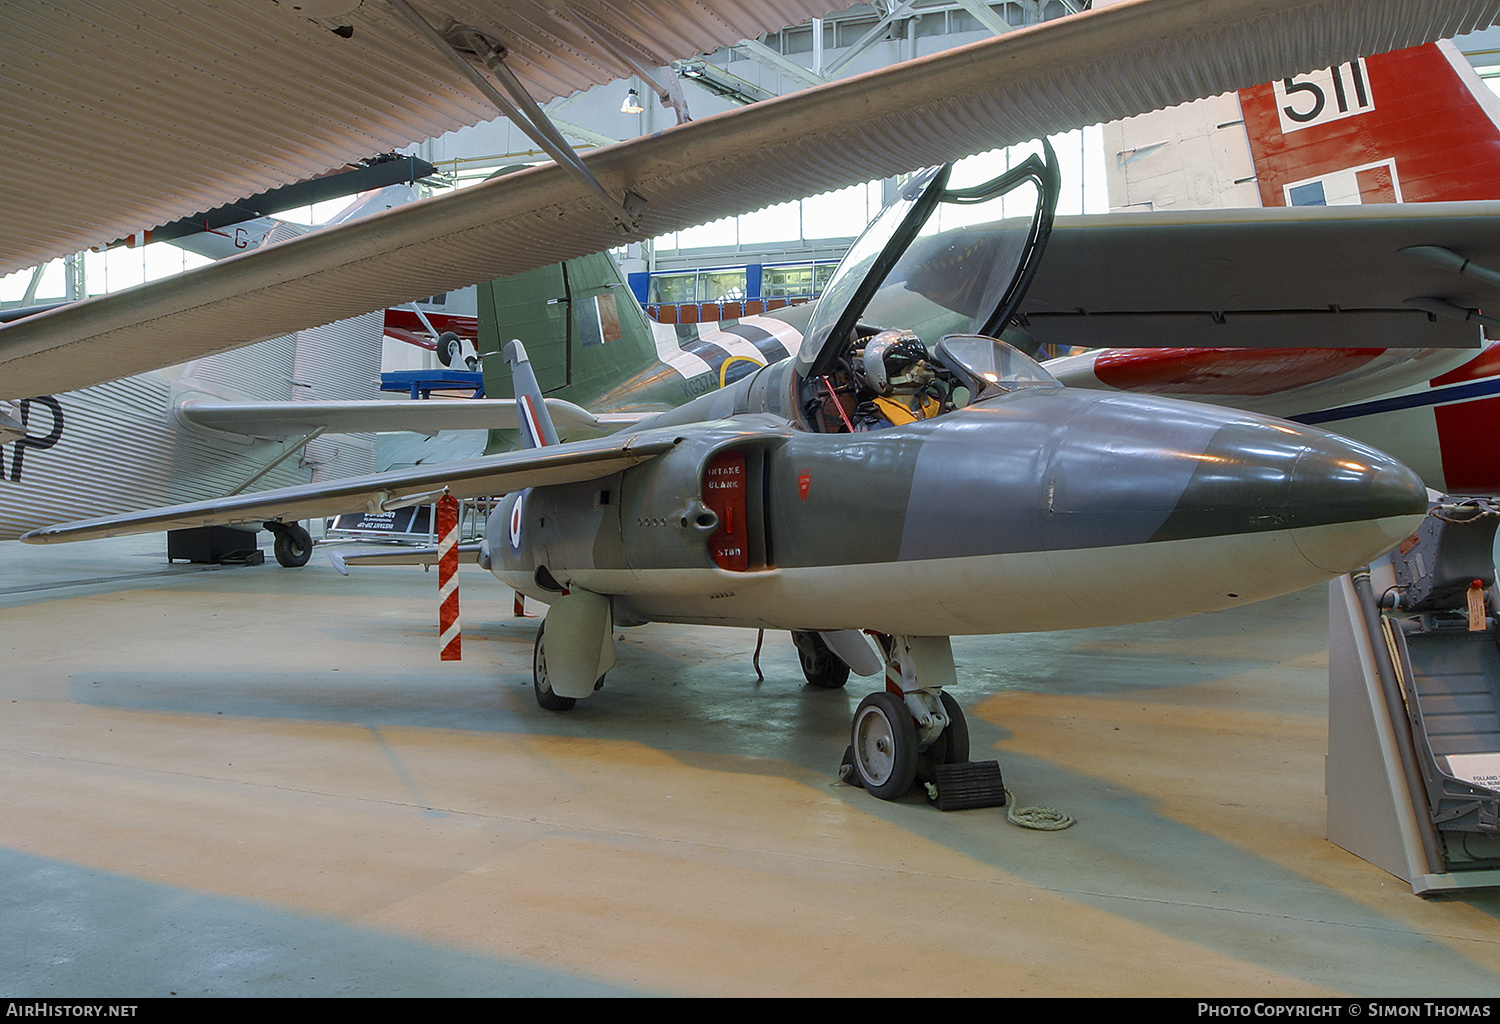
[(1413, 770), (411, 524), (214, 545)]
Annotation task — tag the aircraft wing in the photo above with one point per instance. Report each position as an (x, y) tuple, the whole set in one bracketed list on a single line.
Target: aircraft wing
[(492, 474), (127, 115), (290, 419), (1368, 276), (1093, 67)]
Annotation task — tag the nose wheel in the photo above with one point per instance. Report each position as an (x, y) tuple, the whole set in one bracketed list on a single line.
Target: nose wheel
[(952, 744), (886, 753), (912, 728), (883, 746)]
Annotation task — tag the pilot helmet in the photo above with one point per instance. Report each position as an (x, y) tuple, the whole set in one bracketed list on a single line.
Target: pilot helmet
[(888, 358)]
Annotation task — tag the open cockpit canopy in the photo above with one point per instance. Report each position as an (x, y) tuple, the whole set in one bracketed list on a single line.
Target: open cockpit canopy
[(908, 325), (939, 259)]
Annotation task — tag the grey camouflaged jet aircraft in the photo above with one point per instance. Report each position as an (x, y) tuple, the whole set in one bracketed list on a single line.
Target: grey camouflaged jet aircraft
[(790, 500)]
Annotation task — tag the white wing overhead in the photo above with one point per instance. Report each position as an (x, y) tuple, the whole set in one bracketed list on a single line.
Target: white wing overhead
[(1095, 67), (124, 115)]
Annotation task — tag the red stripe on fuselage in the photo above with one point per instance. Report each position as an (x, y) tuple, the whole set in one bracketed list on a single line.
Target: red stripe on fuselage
[(1486, 364), (407, 319), (1225, 371)]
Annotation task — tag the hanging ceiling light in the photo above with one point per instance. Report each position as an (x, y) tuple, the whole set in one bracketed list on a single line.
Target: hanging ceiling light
[(632, 104)]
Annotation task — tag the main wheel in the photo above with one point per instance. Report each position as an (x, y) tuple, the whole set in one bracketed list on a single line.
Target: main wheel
[(450, 349), (544, 695), (293, 546), (820, 665), (883, 740)]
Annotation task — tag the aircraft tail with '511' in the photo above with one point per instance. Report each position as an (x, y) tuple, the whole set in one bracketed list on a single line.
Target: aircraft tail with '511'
[(1417, 126)]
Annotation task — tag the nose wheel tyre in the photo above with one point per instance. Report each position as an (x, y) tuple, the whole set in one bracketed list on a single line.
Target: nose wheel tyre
[(883, 744), (544, 695)]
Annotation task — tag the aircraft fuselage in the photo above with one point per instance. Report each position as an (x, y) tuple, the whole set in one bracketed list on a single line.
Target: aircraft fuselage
[(1044, 508)]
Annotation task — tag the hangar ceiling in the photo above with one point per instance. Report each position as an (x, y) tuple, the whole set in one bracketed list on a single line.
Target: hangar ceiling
[(123, 116)]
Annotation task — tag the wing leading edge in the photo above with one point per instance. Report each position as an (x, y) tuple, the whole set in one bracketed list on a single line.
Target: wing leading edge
[(1097, 66), (1312, 277), (493, 474), (288, 419)]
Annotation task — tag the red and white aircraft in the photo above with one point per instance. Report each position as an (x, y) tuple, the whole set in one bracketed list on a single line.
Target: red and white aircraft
[(1413, 126)]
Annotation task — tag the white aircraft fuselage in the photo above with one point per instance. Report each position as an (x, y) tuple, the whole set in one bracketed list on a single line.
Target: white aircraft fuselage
[(121, 445)]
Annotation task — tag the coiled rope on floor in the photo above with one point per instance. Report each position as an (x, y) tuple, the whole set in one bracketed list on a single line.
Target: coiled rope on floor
[(1042, 819)]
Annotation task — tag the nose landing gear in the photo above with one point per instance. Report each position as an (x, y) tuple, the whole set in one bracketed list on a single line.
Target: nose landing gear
[(293, 543), (916, 731)]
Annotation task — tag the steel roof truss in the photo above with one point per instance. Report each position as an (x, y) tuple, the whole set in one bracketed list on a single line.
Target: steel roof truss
[(454, 42)]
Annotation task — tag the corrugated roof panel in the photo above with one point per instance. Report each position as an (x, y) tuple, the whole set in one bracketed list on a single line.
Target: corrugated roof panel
[(122, 116), (1018, 87)]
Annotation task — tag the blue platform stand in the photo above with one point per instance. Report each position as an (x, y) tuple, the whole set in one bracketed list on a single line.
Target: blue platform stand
[(421, 383)]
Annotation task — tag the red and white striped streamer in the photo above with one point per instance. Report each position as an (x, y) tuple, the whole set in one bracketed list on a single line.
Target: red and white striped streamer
[(447, 528)]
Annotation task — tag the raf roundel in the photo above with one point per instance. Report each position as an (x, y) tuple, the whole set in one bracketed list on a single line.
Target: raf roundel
[(515, 523)]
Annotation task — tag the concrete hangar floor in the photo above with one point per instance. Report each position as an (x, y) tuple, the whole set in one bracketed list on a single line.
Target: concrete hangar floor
[(258, 781)]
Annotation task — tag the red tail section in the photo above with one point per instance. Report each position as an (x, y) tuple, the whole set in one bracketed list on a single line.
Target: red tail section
[(1413, 126)]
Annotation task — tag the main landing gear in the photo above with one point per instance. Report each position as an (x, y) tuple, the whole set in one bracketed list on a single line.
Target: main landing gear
[(293, 543), (574, 649), (539, 681), (820, 665)]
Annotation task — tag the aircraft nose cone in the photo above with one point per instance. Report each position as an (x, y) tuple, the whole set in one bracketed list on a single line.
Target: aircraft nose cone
[(1367, 491), (1344, 501), (1120, 509)]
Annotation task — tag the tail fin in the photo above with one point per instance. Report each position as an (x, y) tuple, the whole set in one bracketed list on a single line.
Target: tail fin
[(537, 430), (580, 322), (336, 362), (1416, 125), (339, 362)]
